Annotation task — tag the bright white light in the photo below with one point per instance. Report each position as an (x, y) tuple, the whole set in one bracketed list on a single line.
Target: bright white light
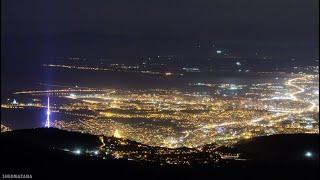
[(219, 51), (78, 151), (48, 114), (308, 154), (309, 126), (238, 63), (233, 87), (96, 152), (14, 101)]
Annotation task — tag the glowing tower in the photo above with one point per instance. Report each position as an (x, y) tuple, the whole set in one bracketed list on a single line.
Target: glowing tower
[(47, 125)]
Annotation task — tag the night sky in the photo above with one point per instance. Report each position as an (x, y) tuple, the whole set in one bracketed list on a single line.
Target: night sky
[(219, 20), (34, 30)]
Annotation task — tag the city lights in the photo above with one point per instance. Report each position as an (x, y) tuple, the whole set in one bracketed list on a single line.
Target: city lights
[(239, 109), (166, 89)]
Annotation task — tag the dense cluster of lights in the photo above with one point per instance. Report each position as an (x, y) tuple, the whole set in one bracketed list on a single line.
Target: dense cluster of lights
[(224, 114)]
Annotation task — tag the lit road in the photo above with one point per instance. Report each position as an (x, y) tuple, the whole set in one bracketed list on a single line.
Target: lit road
[(299, 91), (102, 142)]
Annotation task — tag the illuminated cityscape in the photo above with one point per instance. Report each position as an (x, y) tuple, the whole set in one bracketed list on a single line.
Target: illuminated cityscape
[(217, 89), (223, 114)]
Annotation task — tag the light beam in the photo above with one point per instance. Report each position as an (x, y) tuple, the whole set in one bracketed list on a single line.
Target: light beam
[(47, 125)]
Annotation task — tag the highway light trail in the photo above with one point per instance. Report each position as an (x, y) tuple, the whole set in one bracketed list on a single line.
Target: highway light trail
[(300, 90), (101, 139)]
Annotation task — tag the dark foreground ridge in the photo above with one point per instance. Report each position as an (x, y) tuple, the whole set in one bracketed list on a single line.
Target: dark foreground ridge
[(53, 153)]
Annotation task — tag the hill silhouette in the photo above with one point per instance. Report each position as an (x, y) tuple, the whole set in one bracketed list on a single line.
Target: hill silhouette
[(40, 152)]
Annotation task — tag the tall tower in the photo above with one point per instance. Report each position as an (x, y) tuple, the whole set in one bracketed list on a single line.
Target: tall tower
[(47, 125)]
